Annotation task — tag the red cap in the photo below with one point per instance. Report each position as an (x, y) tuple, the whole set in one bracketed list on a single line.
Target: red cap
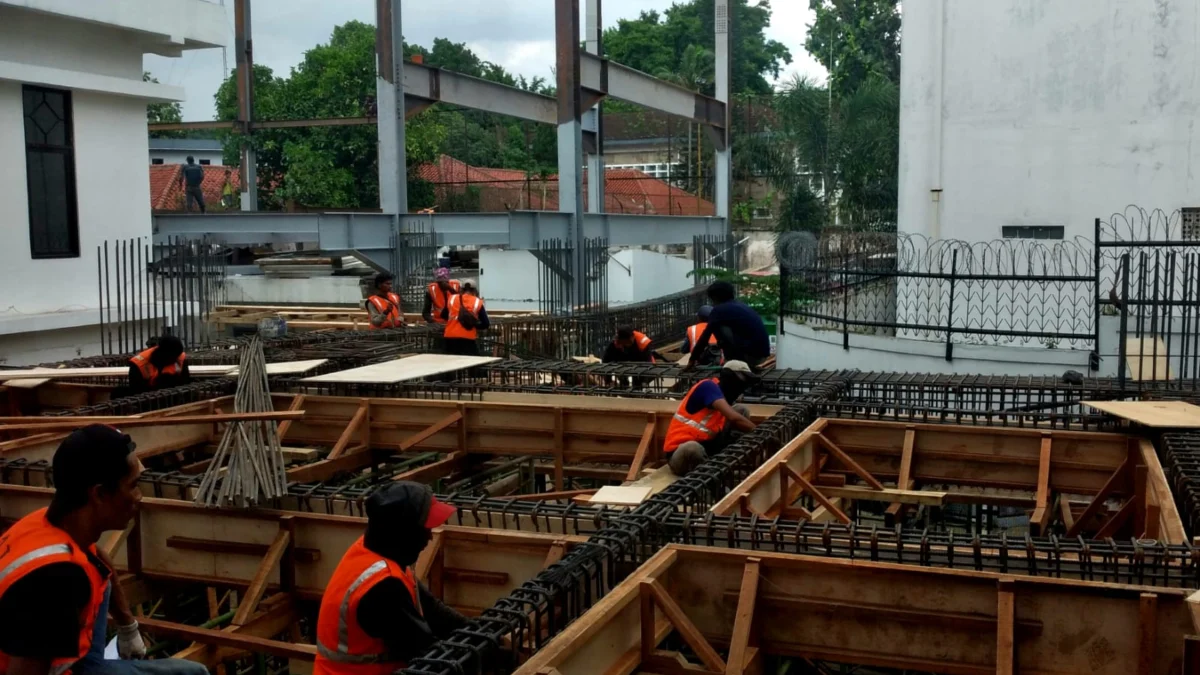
[(439, 513)]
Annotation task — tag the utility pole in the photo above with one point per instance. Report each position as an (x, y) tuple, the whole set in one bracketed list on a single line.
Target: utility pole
[(593, 121)]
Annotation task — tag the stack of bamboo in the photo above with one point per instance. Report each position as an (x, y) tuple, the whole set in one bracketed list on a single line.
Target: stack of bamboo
[(248, 467)]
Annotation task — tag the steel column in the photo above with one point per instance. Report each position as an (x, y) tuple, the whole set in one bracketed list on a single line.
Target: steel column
[(570, 133), (389, 94), (594, 120), (245, 95), (722, 193)]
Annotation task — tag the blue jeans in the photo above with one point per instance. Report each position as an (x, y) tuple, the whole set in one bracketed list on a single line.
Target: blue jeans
[(95, 664)]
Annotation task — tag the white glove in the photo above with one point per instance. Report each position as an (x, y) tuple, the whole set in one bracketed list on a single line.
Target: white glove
[(129, 642)]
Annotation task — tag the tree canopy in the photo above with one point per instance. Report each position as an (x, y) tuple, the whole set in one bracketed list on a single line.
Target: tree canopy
[(162, 113), (856, 40)]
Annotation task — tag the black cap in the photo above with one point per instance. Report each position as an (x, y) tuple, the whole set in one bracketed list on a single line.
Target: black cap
[(95, 454), (404, 504)]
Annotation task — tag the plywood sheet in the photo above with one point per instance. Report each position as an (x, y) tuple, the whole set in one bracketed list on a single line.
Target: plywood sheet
[(1161, 414), (657, 479), (289, 367), (407, 368), (1147, 359), (621, 495)]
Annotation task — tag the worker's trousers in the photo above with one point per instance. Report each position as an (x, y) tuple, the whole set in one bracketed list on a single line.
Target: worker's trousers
[(95, 664)]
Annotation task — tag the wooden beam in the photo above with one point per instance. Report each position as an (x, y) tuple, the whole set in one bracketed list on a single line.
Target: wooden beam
[(1116, 521), (928, 498), (1006, 661), (431, 553), (439, 469), (816, 494), (687, 630), (1064, 507), (547, 496), (904, 482), (743, 622), (1171, 529), (280, 614), (1118, 479), (168, 629), (112, 541), (1040, 519), (430, 431), (643, 449), (557, 550), (849, 462), (559, 450), (258, 585), (353, 460), (65, 423), (1147, 633), (236, 548), (297, 402), (352, 428)]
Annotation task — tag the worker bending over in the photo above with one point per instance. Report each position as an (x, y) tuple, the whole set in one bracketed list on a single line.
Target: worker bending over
[(706, 419), (629, 346), (739, 330), (57, 588), (437, 296), (465, 316), (711, 355), (375, 615), (160, 367), (383, 307)]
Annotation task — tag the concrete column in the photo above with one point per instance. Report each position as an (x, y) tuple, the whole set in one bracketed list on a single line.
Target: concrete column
[(245, 94), (389, 97), (723, 193), (593, 121), (570, 134)]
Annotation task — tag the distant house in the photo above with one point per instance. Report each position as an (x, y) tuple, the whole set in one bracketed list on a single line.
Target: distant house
[(73, 129), (206, 151), (166, 186)]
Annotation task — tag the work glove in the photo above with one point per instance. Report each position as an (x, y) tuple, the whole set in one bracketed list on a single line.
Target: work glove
[(129, 642)]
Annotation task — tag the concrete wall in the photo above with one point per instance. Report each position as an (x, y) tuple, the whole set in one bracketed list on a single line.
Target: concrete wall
[(1045, 112), (314, 291), (50, 346), (654, 275)]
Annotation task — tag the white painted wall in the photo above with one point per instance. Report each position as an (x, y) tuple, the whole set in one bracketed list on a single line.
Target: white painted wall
[(319, 291), (654, 275), (508, 279), (1045, 112), (180, 156)]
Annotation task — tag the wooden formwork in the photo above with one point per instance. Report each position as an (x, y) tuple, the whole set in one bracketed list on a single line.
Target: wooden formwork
[(729, 610), (278, 559), (1068, 477)]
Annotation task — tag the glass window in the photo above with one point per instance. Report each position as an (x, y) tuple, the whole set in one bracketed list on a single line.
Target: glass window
[(50, 173), (1032, 231)]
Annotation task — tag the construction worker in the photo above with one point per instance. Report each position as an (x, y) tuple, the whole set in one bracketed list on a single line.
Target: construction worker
[(437, 296), (711, 355), (57, 588), (375, 615), (383, 307), (629, 346), (465, 315), (159, 367), (706, 419), (739, 330)]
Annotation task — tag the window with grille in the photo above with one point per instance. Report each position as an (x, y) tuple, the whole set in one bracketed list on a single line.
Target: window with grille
[(205, 162), (1190, 224), (50, 173), (1033, 231), (156, 161)]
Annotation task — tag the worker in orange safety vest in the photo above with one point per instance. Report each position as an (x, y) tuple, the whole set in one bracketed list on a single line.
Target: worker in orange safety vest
[(437, 296), (57, 587), (375, 615), (465, 316), (710, 356), (706, 420), (383, 307), (160, 367)]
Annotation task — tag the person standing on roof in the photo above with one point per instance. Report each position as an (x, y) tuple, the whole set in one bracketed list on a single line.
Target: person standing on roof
[(739, 330), (383, 307), (707, 418), (160, 367), (465, 316), (57, 587), (711, 355), (437, 296), (375, 615), (192, 179)]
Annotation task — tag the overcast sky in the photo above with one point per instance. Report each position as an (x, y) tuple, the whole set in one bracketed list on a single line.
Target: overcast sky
[(517, 34)]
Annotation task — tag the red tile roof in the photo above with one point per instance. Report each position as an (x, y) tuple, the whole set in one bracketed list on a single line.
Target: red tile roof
[(166, 187)]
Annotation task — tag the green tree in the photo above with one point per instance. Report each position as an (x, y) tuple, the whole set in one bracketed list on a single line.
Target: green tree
[(856, 40), (162, 113)]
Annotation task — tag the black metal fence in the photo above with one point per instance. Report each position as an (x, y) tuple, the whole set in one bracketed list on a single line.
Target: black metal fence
[(714, 252), (556, 277), (413, 259)]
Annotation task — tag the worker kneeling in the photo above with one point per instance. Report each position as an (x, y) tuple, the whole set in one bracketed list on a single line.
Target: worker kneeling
[(57, 589), (706, 420), (375, 616)]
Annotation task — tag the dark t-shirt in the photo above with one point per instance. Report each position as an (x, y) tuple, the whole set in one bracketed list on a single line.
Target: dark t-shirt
[(705, 395), (40, 613), (193, 174), (387, 612), (749, 333)]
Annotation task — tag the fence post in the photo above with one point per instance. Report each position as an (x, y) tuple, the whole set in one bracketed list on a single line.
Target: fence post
[(1094, 360), (1124, 321), (845, 306), (950, 309)]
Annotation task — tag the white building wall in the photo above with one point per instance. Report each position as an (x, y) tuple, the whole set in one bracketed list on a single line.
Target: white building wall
[(1045, 112), (180, 156)]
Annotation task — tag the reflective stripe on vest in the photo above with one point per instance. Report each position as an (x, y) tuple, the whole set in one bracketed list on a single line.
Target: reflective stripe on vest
[(700, 425), (696, 427), (390, 309), (694, 333), (438, 299), (343, 655), (454, 328), (53, 549)]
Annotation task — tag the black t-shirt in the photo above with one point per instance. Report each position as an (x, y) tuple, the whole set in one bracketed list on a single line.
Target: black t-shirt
[(193, 174), (40, 613)]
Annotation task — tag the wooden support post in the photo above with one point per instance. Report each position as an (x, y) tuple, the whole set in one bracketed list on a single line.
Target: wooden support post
[(258, 585), (348, 433), (1119, 479), (904, 482), (1064, 507), (462, 428), (849, 462), (687, 630), (816, 494), (557, 550), (1006, 662), (287, 563), (1171, 528), (784, 502), (559, 484), (113, 540), (365, 428), (284, 426), (1140, 497), (743, 621), (1040, 519), (1114, 524), (649, 639), (1147, 633), (428, 556), (1149, 527), (430, 431), (439, 469), (643, 450)]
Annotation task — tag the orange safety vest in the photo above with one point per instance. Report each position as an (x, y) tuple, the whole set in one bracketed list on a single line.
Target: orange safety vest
[(32, 543), (343, 647), (705, 424), (150, 372), (455, 329), (439, 299), (390, 309), (694, 333)]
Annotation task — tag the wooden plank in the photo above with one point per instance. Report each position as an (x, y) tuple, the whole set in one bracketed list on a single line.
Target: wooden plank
[(548, 496), (208, 636), (354, 460), (1040, 519), (62, 423), (816, 494), (406, 368), (1171, 525), (1147, 359), (904, 482), (455, 461), (258, 585), (107, 371), (1117, 480), (639, 457), (687, 630), (429, 554), (1116, 521), (1068, 517), (307, 555), (743, 622), (1156, 414), (1147, 633), (924, 497), (286, 367), (559, 450), (1006, 662), (849, 462), (430, 431), (557, 550), (352, 428), (621, 495), (297, 403)]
